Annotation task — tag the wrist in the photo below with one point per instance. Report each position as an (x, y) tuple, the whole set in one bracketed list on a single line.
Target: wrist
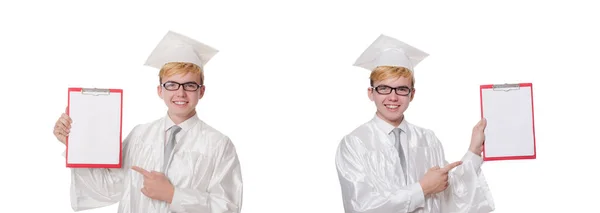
[(170, 194), (426, 190), (475, 150)]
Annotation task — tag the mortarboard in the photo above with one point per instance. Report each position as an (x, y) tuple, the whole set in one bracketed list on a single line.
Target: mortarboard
[(388, 51), (175, 47)]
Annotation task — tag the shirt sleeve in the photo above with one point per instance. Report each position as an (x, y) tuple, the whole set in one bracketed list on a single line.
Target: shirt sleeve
[(467, 191), (98, 187)]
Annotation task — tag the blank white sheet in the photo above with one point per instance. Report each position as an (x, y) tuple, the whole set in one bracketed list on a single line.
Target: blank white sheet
[(509, 115), (95, 136)]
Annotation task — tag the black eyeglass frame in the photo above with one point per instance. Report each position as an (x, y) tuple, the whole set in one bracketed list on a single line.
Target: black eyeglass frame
[(164, 85), (397, 90)]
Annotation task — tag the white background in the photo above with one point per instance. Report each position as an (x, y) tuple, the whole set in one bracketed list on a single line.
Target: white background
[(284, 89)]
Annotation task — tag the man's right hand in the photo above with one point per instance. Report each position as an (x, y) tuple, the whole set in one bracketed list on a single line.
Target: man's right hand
[(62, 127), (436, 179)]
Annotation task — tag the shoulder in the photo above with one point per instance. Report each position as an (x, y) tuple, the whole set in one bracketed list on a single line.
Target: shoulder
[(359, 139), (211, 135), (142, 129), (363, 131), (423, 134), (420, 129)]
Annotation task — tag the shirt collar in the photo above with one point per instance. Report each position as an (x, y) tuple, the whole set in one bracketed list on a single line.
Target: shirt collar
[(387, 127), (185, 125)]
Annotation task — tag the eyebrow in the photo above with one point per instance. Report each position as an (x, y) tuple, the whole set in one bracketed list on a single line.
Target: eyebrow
[(182, 83), (391, 86)]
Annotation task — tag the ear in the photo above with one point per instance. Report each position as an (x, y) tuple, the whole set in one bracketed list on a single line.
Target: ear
[(159, 91), (412, 94), (370, 93), (201, 92)]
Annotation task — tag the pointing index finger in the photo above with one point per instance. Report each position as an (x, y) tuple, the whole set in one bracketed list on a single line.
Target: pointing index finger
[(451, 166), (141, 171)]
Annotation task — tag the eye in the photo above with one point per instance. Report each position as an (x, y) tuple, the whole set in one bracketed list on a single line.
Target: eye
[(191, 85), (383, 87), (404, 89)]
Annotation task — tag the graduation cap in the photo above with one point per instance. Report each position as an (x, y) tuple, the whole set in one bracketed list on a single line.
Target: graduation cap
[(388, 51), (175, 47)]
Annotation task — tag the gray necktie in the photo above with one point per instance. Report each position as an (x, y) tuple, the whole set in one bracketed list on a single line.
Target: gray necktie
[(169, 146), (400, 151)]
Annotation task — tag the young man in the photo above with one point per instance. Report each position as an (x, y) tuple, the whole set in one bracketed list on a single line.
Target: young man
[(389, 165), (176, 163)]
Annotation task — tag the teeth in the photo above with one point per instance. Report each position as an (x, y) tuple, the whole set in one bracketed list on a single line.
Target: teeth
[(179, 102), (392, 106)]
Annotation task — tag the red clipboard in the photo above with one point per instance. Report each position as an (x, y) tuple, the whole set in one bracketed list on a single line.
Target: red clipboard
[(510, 130), (95, 139)]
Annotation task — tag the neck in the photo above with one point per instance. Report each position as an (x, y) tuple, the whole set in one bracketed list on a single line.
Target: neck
[(394, 123), (178, 119)]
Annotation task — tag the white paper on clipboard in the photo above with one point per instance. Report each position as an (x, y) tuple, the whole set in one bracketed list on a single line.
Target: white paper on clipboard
[(510, 130), (95, 137)]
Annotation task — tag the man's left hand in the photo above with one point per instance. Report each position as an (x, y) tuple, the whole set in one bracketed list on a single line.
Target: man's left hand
[(156, 185), (478, 137)]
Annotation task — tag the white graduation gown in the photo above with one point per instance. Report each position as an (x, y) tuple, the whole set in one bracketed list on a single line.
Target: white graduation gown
[(372, 179), (204, 170)]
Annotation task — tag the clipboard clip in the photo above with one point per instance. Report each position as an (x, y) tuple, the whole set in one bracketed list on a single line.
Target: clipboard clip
[(506, 87), (95, 91)]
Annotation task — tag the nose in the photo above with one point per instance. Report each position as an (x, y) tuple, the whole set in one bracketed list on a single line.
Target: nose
[(393, 96), (180, 92)]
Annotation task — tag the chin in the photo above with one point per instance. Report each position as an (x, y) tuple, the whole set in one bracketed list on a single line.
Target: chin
[(392, 116), (180, 112)]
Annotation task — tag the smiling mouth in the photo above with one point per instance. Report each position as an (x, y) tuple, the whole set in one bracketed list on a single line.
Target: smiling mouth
[(180, 102), (391, 106)]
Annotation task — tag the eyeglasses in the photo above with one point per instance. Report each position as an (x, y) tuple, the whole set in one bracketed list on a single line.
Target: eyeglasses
[(386, 90), (188, 86)]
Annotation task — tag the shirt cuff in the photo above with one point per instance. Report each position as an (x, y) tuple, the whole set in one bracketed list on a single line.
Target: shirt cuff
[(474, 160), (175, 205), (417, 198)]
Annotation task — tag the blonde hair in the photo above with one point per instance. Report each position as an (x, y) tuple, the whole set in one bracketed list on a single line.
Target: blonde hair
[(381, 73), (174, 68)]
